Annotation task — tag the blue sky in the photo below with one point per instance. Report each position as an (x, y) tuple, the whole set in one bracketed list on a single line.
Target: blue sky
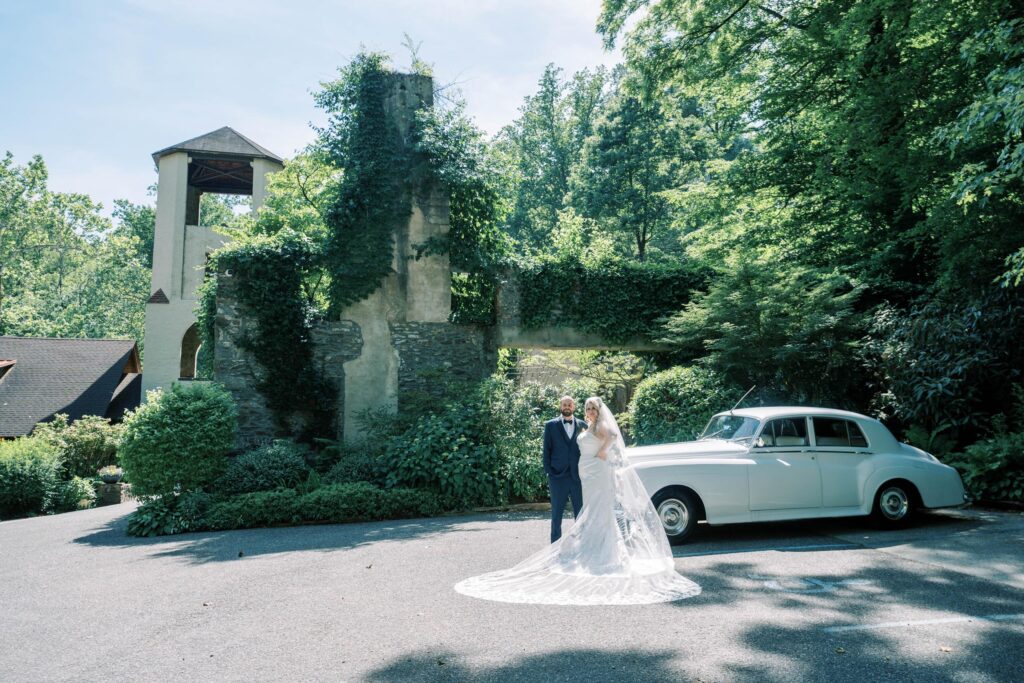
[(96, 86)]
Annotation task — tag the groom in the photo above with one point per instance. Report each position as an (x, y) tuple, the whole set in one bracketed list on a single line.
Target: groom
[(562, 463)]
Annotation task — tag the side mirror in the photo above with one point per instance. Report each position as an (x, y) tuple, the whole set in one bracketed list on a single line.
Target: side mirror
[(759, 443)]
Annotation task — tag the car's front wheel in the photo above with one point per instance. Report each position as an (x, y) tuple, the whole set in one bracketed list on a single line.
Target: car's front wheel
[(678, 510), (895, 504)]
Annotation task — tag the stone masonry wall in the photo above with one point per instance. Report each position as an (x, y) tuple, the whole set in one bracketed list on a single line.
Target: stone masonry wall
[(234, 367), (430, 353), (334, 343)]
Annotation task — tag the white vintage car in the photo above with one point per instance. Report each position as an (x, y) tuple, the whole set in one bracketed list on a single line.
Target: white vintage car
[(764, 464)]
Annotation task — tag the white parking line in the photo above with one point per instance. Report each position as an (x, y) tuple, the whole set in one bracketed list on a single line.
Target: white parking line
[(785, 548), (923, 622)]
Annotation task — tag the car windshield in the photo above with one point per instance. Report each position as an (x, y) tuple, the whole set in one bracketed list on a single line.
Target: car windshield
[(730, 428)]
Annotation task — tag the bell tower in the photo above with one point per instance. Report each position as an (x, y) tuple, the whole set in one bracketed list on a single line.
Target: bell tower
[(221, 162)]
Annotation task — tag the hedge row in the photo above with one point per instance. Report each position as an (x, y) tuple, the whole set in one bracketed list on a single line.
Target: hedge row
[(336, 503)]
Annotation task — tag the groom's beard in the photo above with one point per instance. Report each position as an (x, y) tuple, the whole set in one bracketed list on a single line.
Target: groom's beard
[(565, 414)]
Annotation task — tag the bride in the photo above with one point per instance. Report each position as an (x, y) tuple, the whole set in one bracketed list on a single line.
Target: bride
[(615, 554)]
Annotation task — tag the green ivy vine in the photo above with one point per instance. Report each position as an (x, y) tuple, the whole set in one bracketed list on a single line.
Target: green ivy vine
[(618, 300), (268, 272), (455, 153), (373, 195)]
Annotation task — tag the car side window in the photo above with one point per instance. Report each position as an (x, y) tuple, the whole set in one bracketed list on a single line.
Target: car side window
[(857, 438), (830, 431), (785, 431)]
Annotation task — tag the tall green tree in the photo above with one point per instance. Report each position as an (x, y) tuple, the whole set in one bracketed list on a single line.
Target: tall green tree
[(138, 221), (541, 148), (792, 331), (64, 271), (23, 207), (629, 163), (846, 99)]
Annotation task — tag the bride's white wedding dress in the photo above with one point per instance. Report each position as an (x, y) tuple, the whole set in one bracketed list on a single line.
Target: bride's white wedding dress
[(616, 553)]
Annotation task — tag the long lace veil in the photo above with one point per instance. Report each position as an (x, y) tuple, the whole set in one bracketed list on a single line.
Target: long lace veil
[(638, 523)]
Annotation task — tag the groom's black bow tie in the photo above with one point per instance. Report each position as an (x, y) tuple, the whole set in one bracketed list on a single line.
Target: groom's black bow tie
[(568, 422)]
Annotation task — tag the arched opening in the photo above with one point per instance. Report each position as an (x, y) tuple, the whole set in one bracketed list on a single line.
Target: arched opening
[(190, 343)]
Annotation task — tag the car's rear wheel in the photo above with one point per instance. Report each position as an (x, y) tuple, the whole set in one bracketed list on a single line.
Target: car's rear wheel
[(679, 511), (895, 505)]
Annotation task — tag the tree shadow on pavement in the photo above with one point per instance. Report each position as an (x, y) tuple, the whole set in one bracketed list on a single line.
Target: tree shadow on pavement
[(860, 626), (216, 546), (727, 538), (583, 665)]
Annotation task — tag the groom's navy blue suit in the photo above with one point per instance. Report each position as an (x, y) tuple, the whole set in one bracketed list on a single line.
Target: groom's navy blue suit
[(562, 465)]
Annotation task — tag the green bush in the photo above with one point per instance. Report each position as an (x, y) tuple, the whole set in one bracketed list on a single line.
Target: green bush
[(85, 445), (945, 366), (362, 501), (445, 452), (246, 510), (190, 510), (280, 464), (358, 464), (178, 440), (993, 469), (479, 446), (29, 476), (676, 404), (351, 502), (155, 517), (170, 514), (72, 494), (516, 427)]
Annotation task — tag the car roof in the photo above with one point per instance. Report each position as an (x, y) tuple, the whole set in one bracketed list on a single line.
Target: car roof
[(764, 412)]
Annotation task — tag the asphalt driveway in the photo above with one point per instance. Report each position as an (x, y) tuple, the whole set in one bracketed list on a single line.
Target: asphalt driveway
[(834, 600)]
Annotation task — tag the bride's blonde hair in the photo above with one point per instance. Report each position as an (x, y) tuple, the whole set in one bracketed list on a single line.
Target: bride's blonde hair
[(596, 402)]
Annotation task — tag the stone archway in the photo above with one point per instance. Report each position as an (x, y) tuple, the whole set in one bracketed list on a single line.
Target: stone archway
[(190, 343)]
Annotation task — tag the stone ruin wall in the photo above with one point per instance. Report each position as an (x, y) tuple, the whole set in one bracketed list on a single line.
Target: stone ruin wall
[(426, 353)]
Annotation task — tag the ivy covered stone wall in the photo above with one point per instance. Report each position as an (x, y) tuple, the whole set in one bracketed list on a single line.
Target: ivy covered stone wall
[(334, 344), (427, 353), (235, 368)]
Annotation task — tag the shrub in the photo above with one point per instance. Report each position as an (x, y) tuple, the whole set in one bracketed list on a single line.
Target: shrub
[(262, 508), (359, 501), (363, 501), (479, 446), (190, 510), (357, 464), (29, 475), (312, 483), (86, 444), (72, 494), (447, 453), (947, 368), (178, 439), (516, 427), (280, 464), (675, 405), (993, 469), (170, 514), (155, 517)]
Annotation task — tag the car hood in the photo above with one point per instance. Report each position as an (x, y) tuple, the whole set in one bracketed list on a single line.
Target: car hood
[(685, 449)]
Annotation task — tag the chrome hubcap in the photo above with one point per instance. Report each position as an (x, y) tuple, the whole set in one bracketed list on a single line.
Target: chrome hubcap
[(894, 503), (674, 516)]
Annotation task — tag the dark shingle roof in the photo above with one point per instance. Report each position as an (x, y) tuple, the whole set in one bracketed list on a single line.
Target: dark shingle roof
[(223, 141), (49, 376)]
